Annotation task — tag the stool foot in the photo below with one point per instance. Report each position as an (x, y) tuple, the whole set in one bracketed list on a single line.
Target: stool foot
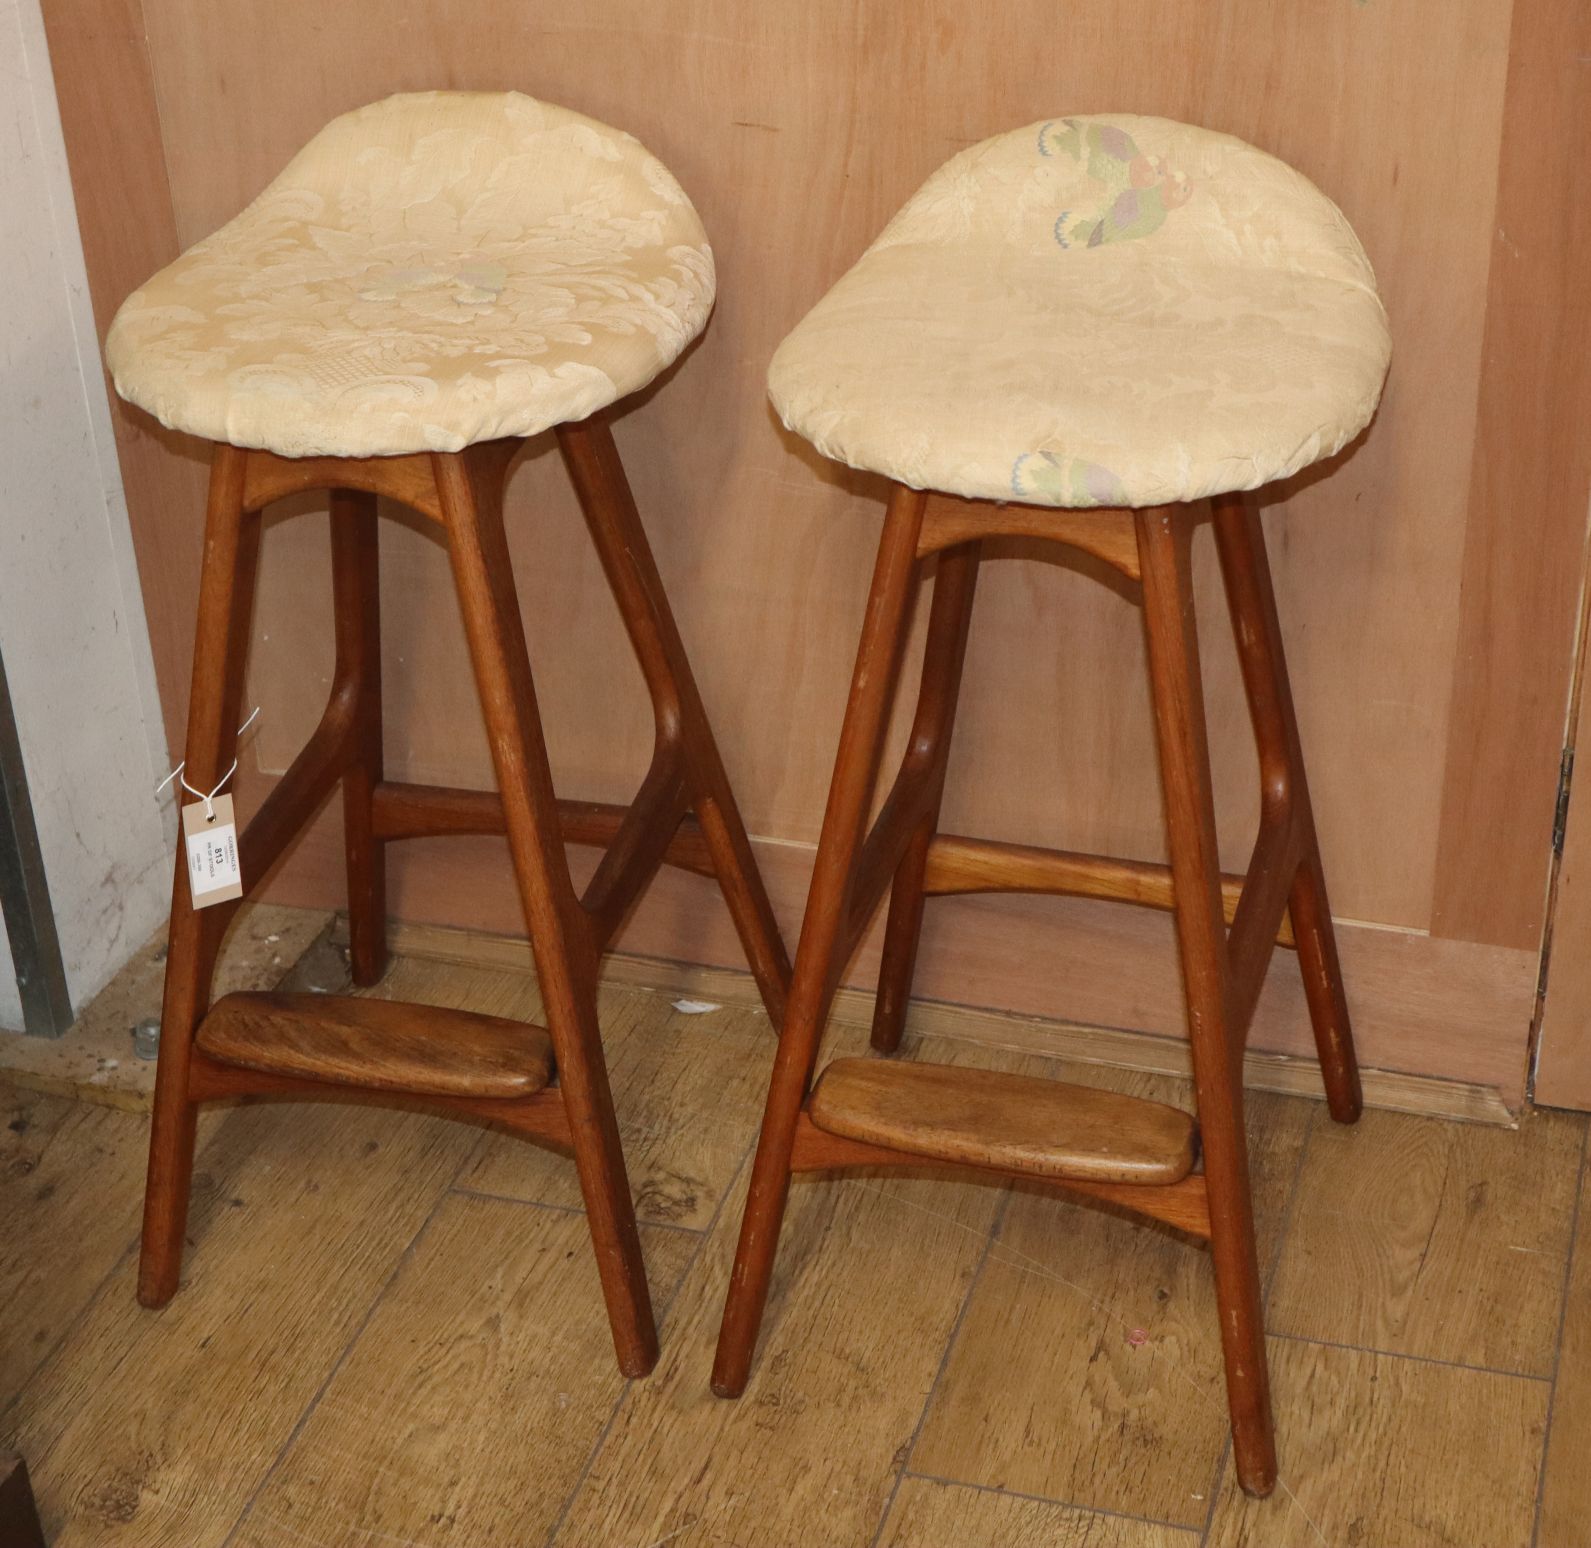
[(166, 1194), (1323, 990)]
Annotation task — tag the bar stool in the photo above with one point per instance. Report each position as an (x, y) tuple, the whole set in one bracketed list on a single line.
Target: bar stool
[(1086, 330), (432, 279)]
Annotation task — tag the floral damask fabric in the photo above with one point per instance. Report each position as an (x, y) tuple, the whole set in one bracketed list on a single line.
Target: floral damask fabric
[(429, 271), (1113, 311)]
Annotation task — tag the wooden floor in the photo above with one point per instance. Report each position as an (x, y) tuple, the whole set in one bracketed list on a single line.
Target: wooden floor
[(390, 1333)]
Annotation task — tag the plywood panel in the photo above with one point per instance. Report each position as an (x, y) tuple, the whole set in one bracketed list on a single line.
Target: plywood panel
[(798, 131), (1524, 553), (798, 146)]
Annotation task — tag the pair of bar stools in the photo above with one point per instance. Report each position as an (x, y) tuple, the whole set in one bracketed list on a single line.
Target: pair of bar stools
[(1085, 330)]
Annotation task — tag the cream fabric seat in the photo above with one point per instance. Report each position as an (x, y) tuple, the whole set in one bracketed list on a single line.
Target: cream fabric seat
[(1113, 311), (429, 271)]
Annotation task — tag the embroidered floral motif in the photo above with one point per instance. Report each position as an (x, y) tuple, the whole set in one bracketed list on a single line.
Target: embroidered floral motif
[(469, 284), (1050, 478), (1136, 192)]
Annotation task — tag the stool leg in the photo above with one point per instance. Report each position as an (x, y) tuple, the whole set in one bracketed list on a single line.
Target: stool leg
[(944, 654), (817, 970), (1163, 537), (616, 530), (220, 653), (565, 962), (1240, 541), (356, 594)]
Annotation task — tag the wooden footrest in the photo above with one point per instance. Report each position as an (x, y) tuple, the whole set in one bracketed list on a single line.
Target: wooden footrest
[(379, 1044), (1013, 1123)]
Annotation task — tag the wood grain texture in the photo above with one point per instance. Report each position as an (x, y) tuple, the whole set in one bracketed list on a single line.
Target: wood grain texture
[(1046, 1392), (489, 1344), (1446, 1241), (1392, 1451), (1105, 534), (296, 1227), (796, 150), (1515, 650), (1008, 1122), (388, 1046), (1184, 1205), (1566, 1493), (68, 1210), (839, 1381), (269, 478), (162, 1425), (688, 1090), (930, 1514), (958, 865)]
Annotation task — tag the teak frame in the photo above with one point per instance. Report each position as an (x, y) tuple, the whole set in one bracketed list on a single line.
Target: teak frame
[(1227, 926), (684, 814)]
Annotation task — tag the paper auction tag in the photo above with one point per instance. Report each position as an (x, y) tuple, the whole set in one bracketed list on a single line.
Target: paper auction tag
[(212, 839)]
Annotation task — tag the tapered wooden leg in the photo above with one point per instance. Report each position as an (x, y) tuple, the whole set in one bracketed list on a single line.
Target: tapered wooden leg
[(615, 526), (565, 959), (220, 653), (1240, 541), (356, 593), (1163, 536), (944, 653), (817, 970)]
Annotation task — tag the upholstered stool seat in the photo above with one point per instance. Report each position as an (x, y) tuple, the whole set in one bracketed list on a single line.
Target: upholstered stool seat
[(433, 279), (430, 271), (1097, 332), (1113, 311)]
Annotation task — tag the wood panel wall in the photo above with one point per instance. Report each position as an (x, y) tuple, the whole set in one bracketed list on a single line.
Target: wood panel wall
[(1429, 613)]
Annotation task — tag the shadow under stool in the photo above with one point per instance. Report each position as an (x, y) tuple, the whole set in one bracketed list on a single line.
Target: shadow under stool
[(431, 280), (1088, 332)]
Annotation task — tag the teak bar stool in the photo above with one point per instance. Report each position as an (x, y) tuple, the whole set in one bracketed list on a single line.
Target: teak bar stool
[(434, 278), (1086, 330)]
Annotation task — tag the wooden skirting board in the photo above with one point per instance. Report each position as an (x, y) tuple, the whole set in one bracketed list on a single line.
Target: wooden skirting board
[(1391, 1089)]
